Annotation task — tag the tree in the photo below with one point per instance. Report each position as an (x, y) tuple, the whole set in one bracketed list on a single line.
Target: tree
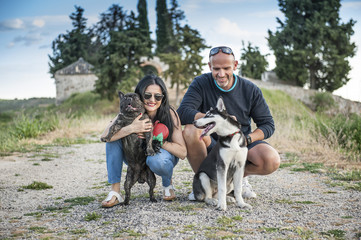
[(123, 45), (163, 30), (253, 62), (311, 45), (183, 55), (143, 21), (69, 47)]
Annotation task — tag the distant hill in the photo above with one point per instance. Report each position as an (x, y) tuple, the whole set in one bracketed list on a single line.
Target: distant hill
[(17, 104)]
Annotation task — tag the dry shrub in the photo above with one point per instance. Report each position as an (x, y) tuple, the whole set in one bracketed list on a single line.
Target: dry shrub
[(89, 127), (296, 133)]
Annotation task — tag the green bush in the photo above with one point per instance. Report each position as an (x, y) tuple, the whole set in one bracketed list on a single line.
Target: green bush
[(323, 101), (26, 126), (345, 129), (79, 104)]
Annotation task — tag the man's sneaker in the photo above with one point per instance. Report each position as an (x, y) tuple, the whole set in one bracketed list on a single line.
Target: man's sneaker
[(247, 191), (191, 197)]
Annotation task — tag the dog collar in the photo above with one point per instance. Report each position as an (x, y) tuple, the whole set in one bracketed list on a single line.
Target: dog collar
[(231, 135)]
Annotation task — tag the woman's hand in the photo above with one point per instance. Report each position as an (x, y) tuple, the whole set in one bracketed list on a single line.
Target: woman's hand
[(141, 126)]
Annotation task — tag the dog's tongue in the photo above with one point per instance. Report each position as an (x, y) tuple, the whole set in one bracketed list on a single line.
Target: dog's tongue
[(206, 130), (130, 107)]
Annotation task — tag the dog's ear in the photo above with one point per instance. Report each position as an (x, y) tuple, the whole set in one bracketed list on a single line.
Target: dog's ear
[(120, 94), (220, 105)]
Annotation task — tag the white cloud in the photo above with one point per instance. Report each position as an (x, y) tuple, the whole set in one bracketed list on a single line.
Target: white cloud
[(29, 39), (354, 5), (11, 44), (38, 23), (32, 23), (11, 24), (267, 14), (226, 27)]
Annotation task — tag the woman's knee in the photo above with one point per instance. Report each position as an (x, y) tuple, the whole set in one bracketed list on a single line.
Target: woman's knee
[(162, 164)]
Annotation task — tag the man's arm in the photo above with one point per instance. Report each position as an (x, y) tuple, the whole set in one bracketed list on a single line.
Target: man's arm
[(188, 109), (262, 117)]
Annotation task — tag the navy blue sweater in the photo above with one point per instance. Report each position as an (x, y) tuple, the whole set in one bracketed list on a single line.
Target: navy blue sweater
[(244, 100)]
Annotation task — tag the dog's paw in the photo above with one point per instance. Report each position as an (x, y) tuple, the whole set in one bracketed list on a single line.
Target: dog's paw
[(211, 201), (231, 199), (245, 206), (156, 146), (150, 152), (222, 207)]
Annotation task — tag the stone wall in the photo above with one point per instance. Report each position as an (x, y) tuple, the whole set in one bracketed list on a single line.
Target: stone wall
[(344, 106), (66, 85)]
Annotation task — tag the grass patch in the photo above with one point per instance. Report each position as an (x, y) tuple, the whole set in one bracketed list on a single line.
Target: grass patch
[(353, 175), (225, 221), (292, 157), (92, 216), (237, 218), (336, 233), (309, 167), (286, 165), (57, 209), (38, 186), (185, 170), (79, 201), (38, 229), (78, 231), (128, 232), (34, 214), (305, 202), (284, 201), (346, 179), (270, 229)]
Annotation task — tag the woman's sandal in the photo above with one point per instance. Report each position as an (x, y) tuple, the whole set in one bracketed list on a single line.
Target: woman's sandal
[(168, 193), (107, 204)]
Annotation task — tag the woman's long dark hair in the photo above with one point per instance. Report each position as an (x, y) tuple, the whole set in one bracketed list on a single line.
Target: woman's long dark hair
[(163, 112)]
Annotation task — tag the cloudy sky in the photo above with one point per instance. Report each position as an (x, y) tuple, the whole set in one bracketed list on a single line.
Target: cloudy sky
[(28, 27)]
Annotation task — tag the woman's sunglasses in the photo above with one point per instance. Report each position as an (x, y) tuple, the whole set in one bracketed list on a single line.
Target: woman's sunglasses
[(226, 50), (157, 96)]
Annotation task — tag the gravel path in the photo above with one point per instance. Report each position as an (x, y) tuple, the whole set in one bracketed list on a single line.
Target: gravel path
[(290, 205)]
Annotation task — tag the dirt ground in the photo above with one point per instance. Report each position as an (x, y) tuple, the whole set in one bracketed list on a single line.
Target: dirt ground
[(289, 204)]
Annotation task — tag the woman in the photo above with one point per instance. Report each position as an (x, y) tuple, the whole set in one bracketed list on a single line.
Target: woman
[(154, 95)]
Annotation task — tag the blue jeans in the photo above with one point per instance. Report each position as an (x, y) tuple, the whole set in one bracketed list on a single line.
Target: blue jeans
[(161, 164)]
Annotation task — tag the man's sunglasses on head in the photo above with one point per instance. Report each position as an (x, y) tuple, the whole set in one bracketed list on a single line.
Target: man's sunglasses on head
[(215, 50)]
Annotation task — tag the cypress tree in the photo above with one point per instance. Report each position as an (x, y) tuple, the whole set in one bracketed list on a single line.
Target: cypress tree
[(143, 20), (163, 27)]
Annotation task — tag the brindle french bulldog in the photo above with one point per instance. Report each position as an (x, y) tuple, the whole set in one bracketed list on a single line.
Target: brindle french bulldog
[(130, 107)]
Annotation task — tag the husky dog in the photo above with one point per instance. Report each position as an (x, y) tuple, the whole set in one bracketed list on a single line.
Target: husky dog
[(223, 168), (130, 107)]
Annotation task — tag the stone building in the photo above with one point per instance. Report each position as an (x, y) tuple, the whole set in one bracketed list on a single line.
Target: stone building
[(75, 78), (78, 77)]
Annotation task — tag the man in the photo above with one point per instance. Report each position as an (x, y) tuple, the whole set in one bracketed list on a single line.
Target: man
[(243, 100)]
